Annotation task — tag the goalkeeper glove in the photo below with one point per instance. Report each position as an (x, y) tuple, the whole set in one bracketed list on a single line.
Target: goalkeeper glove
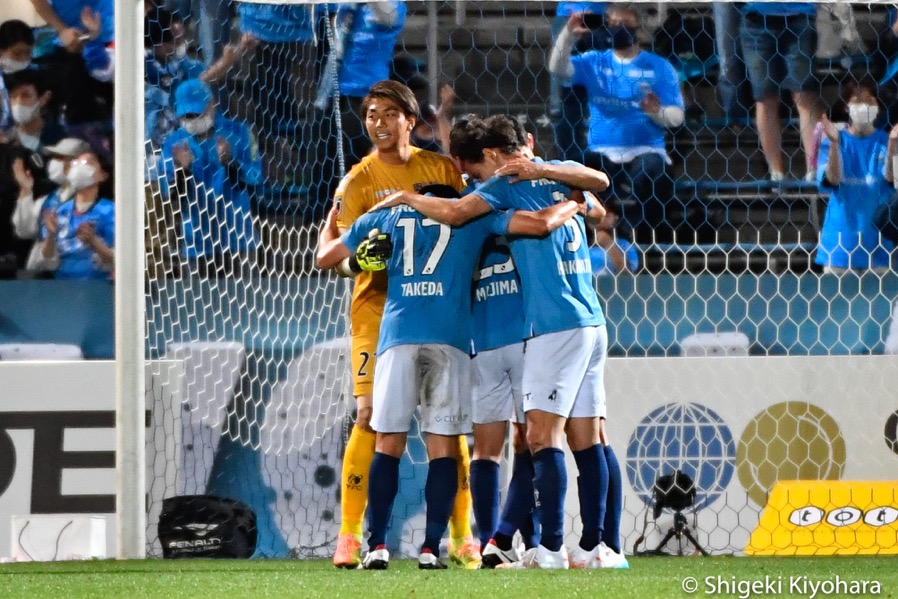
[(373, 253)]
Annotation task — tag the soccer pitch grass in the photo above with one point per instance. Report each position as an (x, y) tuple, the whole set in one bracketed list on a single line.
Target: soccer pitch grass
[(648, 577)]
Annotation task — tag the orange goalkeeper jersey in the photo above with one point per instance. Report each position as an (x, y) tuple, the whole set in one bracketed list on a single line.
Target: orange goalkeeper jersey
[(370, 181)]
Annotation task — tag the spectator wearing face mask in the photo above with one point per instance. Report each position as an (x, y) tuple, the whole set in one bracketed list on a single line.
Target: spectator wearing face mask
[(28, 214), (212, 164), (854, 167), (28, 98), (16, 45), (79, 235), (634, 97), (77, 95), (167, 66)]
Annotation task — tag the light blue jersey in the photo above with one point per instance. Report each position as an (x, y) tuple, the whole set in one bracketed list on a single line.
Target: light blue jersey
[(69, 12), (368, 49), (566, 9), (780, 8), (218, 216), (76, 259), (555, 271), (616, 88), (277, 23), (498, 300), (428, 275), (848, 238)]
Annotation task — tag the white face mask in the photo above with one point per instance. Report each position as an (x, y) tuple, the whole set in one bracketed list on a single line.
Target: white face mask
[(23, 113), (199, 125), (862, 114), (81, 175), (56, 171), (10, 66)]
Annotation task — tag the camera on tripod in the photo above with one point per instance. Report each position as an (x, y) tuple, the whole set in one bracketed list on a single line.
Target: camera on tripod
[(673, 491), (676, 492)]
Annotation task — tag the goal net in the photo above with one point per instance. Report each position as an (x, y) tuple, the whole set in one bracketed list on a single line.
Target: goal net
[(751, 311)]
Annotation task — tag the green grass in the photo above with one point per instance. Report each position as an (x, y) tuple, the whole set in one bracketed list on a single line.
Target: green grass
[(658, 577)]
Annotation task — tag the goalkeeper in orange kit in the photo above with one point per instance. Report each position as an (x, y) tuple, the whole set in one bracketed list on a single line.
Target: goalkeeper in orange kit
[(389, 112)]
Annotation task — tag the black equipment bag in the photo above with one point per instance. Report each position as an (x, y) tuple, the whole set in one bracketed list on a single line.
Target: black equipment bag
[(206, 526)]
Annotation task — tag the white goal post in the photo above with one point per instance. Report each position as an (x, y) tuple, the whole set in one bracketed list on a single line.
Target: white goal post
[(789, 322)]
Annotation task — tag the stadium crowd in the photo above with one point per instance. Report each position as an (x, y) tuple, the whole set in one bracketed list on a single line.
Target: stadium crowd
[(252, 145)]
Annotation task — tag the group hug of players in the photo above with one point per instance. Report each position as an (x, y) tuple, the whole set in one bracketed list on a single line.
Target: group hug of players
[(414, 235)]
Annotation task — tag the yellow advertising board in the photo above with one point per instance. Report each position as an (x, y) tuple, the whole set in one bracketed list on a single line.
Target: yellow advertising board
[(828, 518)]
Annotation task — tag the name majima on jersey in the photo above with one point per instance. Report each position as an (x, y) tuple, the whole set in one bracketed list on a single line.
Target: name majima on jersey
[(496, 288)]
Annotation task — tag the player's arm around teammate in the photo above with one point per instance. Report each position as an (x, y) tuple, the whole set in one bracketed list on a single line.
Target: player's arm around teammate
[(332, 251), (469, 207)]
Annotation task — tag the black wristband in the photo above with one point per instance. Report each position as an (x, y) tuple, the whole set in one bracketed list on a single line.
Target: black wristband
[(354, 265)]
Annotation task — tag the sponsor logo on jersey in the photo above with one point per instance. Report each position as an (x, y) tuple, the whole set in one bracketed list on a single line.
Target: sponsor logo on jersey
[(354, 481)]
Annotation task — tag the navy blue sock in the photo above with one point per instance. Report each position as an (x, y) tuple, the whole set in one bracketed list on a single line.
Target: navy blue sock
[(530, 530), (550, 484), (518, 502), (611, 534), (439, 493), (592, 489), (383, 486), (485, 496)]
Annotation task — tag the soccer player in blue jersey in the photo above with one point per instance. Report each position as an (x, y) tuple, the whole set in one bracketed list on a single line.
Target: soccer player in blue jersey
[(498, 347), (422, 353), (498, 363), (566, 340)]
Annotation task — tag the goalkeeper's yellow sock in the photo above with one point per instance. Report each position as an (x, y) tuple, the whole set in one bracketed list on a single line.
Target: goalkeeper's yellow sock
[(356, 464), (460, 521)]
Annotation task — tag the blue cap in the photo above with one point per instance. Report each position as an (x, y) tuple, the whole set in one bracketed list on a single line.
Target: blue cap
[(192, 97)]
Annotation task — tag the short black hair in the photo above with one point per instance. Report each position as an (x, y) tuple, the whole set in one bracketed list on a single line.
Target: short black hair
[(399, 93), (14, 32), (26, 77), (853, 86), (464, 138), (157, 28), (503, 121), (470, 137)]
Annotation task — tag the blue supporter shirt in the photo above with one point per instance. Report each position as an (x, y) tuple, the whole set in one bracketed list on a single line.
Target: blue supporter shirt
[(848, 238), (566, 9), (69, 12), (555, 272), (77, 260), (368, 49), (780, 8), (161, 82), (217, 217), (428, 275), (277, 23), (615, 89)]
